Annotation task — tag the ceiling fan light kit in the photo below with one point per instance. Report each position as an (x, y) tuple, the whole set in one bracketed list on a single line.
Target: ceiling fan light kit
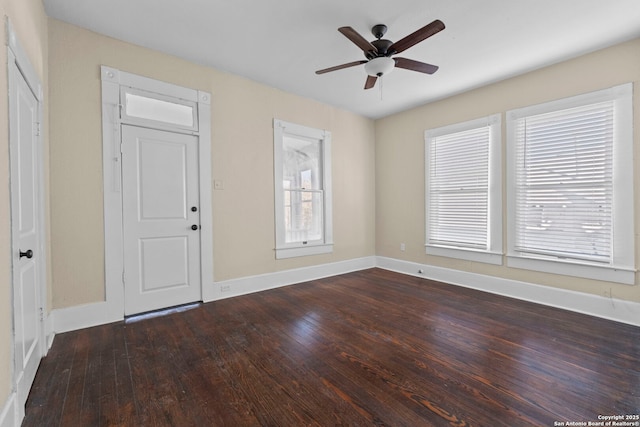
[(380, 66), (379, 52)]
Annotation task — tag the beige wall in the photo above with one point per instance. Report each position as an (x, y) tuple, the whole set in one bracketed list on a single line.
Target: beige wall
[(30, 24), (242, 151), (400, 157)]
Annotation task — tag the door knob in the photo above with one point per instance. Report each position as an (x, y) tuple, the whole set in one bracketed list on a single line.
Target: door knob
[(28, 254), (194, 227)]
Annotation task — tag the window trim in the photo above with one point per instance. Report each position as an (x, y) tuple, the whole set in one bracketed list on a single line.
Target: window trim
[(622, 267), (325, 245), (493, 254)]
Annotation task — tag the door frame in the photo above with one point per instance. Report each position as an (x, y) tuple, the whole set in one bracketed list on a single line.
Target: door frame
[(112, 81), (18, 63)]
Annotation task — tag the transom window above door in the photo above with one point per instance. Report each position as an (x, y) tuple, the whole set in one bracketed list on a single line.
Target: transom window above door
[(142, 107)]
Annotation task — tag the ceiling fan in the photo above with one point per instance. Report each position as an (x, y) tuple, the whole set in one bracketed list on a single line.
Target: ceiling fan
[(379, 52)]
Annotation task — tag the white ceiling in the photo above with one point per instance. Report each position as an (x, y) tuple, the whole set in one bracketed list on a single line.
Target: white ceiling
[(282, 42)]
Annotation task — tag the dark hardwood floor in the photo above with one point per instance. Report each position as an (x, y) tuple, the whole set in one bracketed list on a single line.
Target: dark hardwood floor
[(370, 348)]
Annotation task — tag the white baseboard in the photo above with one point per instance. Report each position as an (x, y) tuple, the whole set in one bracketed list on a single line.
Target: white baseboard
[(246, 285), (84, 316), (49, 333), (594, 305), (100, 313), (9, 414)]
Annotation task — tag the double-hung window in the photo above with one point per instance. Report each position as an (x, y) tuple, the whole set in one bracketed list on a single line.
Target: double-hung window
[(302, 170), (570, 198), (464, 191)]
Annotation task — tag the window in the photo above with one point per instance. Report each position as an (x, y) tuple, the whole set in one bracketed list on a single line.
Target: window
[(157, 110), (464, 191), (571, 186), (302, 170)]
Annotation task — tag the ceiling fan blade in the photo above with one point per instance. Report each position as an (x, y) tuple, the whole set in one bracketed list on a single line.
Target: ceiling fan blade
[(417, 36), (371, 82), (340, 67), (410, 64), (358, 40)]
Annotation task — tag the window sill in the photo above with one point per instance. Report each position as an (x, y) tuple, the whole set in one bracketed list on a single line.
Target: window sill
[(573, 268), (298, 251), (486, 257)]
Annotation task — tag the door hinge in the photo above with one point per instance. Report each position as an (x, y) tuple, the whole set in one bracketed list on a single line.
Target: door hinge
[(41, 314), (36, 128)]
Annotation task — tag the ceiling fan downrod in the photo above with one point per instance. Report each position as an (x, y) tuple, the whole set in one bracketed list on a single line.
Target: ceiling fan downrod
[(382, 45)]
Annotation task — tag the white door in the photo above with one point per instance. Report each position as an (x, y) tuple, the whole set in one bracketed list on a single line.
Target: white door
[(25, 223), (161, 219)]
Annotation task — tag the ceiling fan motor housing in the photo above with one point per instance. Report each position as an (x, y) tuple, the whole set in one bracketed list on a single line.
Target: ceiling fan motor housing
[(382, 45)]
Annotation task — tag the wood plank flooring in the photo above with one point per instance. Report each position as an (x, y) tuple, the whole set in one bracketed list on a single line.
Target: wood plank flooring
[(370, 348)]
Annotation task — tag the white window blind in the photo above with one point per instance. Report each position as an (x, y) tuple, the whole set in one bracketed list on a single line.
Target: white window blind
[(564, 183), (458, 188)]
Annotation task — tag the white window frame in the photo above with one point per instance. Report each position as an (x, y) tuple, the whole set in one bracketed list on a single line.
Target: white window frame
[(325, 244), (622, 267), (493, 252)]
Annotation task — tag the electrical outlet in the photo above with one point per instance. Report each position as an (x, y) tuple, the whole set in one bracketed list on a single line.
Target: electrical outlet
[(402, 247), (225, 288)]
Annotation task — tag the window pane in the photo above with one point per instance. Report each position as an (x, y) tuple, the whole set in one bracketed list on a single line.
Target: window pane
[(458, 193), (301, 165), (303, 215), (155, 109), (565, 183)]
